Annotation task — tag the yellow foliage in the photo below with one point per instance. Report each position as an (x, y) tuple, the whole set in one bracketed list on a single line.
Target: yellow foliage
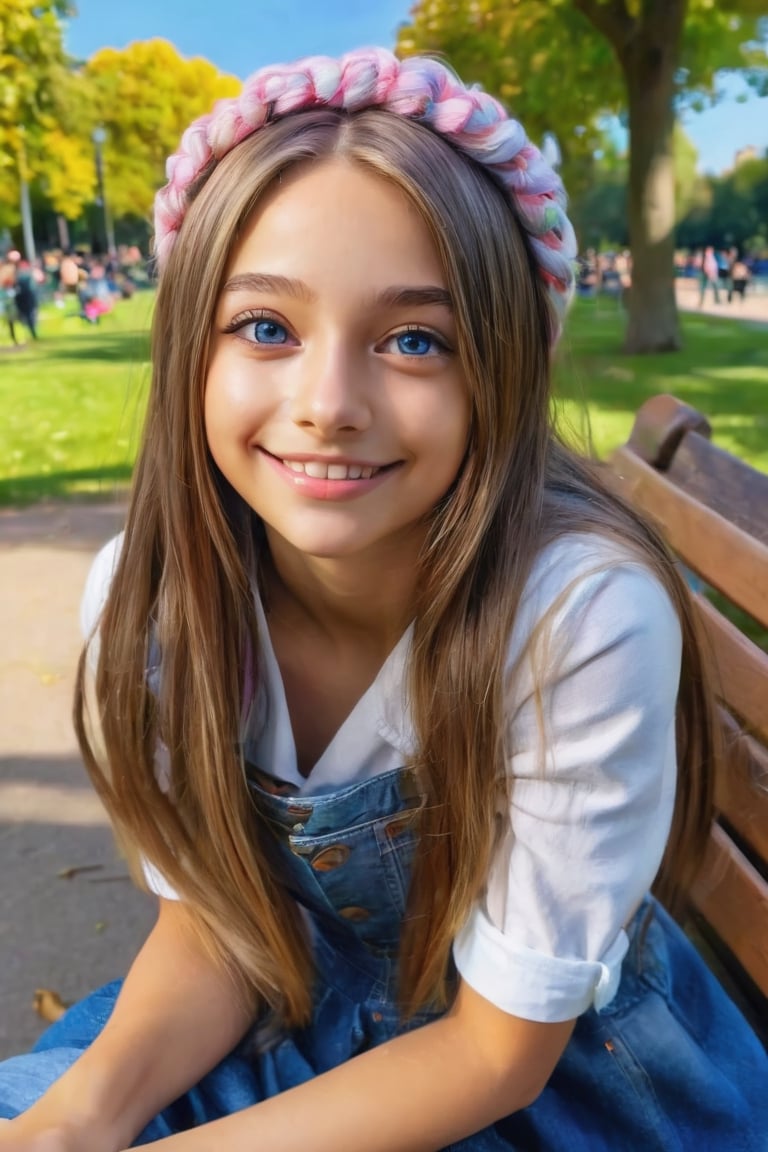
[(147, 94), (68, 172)]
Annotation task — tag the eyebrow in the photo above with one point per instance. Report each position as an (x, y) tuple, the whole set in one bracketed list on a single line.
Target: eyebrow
[(394, 297), (265, 282), (415, 297)]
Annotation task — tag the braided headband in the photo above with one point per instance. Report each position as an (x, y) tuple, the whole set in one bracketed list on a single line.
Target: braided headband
[(419, 88)]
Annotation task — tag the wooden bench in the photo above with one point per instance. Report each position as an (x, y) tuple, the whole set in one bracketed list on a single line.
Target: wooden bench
[(713, 511)]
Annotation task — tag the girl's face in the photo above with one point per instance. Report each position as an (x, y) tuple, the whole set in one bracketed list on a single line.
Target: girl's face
[(335, 401)]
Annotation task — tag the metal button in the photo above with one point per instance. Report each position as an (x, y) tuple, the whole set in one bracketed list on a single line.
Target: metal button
[(303, 811), (355, 914), (330, 858), (397, 827)]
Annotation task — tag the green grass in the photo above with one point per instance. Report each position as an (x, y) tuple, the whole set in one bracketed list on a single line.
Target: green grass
[(722, 371), (73, 402)]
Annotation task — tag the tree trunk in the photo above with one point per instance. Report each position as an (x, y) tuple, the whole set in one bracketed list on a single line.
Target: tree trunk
[(650, 61)]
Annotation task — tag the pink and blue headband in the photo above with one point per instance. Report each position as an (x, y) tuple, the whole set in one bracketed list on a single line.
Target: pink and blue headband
[(419, 88)]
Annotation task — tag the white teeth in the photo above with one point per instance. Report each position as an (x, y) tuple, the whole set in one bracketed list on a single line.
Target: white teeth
[(319, 471)]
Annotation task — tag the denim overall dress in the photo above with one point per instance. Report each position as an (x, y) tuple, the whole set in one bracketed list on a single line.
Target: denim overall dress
[(668, 1066)]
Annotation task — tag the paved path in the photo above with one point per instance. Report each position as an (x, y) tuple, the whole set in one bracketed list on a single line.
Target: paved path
[(753, 308), (66, 934)]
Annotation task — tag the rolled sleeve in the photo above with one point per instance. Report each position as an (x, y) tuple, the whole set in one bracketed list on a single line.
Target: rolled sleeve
[(591, 773), (532, 984)]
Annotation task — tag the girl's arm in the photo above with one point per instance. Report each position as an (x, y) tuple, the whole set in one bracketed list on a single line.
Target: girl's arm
[(417, 1093), (177, 1015)]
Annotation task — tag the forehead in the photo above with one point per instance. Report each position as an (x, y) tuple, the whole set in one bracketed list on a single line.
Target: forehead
[(333, 214)]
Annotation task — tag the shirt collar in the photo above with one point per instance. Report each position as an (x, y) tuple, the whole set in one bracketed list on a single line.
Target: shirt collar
[(380, 717)]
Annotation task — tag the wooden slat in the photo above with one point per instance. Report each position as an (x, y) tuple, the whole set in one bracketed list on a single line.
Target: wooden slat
[(741, 788), (722, 554), (741, 667), (733, 898), (660, 425), (724, 483)]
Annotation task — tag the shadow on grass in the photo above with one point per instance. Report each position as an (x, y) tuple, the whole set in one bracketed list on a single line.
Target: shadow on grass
[(81, 484), (131, 347), (728, 383)]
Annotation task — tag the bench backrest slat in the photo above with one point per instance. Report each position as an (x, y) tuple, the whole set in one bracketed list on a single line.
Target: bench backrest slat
[(732, 489), (741, 788), (733, 898), (722, 554), (741, 668)]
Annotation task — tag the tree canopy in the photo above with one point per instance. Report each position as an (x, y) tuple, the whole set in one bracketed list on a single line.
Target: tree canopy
[(562, 65), (142, 97), (32, 76)]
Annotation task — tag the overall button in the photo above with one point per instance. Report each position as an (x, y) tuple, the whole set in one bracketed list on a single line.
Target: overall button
[(355, 914), (299, 811), (397, 827), (330, 858)]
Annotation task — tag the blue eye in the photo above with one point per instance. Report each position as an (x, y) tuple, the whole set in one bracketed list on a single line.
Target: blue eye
[(414, 343), (269, 332), (417, 342)]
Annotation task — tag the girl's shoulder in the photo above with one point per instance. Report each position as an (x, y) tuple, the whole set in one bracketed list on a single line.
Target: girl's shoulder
[(97, 585), (586, 585), (582, 561)]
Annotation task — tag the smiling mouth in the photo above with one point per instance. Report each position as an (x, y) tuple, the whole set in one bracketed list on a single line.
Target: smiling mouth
[(317, 470)]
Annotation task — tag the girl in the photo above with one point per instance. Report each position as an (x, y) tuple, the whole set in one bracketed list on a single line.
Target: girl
[(387, 684)]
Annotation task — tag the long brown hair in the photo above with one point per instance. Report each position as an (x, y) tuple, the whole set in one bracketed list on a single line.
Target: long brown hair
[(182, 584)]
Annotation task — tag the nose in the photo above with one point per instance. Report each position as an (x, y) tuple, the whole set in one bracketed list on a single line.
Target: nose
[(330, 392)]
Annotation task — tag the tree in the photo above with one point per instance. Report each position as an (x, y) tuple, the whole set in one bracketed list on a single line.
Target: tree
[(144, 96), (32, 64), (569, 61), (68, 176), (599, 214)]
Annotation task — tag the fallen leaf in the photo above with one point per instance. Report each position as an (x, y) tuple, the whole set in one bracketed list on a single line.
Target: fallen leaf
[(48, 1004), (76, 869)]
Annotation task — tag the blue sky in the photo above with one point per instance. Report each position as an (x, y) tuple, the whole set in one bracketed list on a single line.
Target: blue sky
[(239, 36)]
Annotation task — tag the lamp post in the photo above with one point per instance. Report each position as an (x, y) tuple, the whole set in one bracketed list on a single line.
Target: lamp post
[(99, 137)]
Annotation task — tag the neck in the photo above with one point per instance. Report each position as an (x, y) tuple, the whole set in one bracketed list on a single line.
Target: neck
[(369, 595)]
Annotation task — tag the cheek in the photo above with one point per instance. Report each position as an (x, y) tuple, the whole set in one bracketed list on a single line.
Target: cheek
[(232, 401), (445, 425)]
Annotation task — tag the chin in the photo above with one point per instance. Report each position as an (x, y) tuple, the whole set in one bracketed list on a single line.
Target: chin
[(327, 549)]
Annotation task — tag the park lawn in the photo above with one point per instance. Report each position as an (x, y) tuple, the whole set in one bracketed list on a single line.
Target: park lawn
[(72, 404), (722, 371)]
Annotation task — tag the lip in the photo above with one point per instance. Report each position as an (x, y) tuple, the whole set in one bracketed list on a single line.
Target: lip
[(329, 490)]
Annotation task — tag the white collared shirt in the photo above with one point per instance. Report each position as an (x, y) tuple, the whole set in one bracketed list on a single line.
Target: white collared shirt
[(589, 809)]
